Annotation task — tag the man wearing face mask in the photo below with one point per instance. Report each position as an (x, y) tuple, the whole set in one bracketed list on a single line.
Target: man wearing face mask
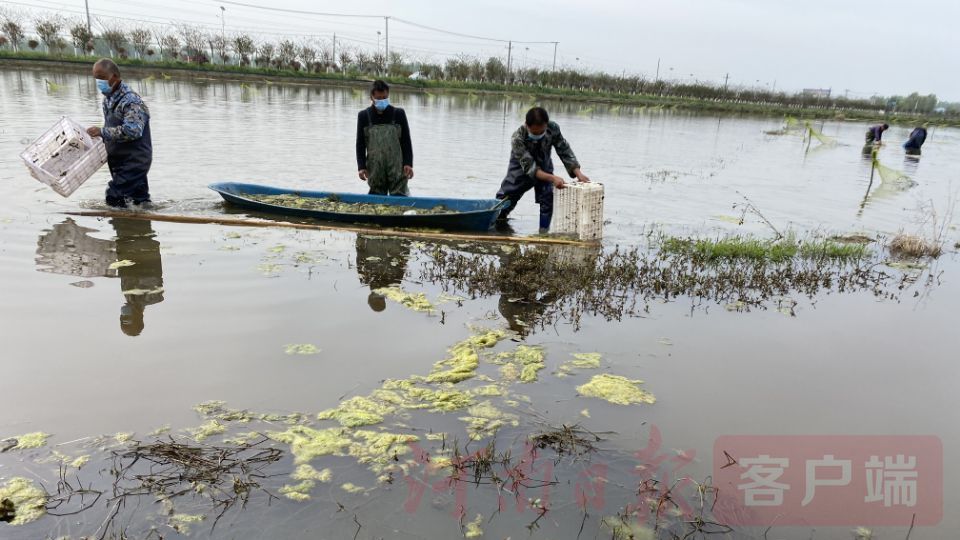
[(384, 150), (126, 134), (531, 165)]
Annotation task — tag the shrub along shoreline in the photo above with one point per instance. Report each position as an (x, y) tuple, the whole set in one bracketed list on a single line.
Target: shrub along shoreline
[(9, 59)]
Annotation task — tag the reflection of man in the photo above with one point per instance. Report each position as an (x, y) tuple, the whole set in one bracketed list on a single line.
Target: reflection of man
[(521, 303), (381, 262), (142, 281)]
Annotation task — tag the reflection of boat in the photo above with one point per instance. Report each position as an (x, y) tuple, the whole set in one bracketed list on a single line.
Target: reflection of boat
[(463, 214)]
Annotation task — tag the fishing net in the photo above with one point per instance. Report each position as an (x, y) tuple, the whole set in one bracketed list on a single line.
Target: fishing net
[(790, 124), (814, 133), (889, 175)]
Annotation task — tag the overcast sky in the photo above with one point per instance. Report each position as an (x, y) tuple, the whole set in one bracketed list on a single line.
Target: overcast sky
[(866, 47)]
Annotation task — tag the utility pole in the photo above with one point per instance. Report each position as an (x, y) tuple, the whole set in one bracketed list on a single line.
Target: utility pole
[(334, 50), (555, 44), (387, 40), (509, 59), (725, 81), (658, 71), (223, 22), (87, 4)]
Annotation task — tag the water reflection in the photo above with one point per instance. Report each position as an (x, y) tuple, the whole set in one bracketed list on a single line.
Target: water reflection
[(133, 256), (142, 282), (381, 262)]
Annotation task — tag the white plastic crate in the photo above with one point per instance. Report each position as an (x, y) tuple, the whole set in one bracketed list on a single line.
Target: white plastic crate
[(578, 211), (65, 156)]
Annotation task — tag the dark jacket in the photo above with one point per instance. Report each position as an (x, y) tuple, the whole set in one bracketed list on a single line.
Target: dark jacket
[(391, 115)]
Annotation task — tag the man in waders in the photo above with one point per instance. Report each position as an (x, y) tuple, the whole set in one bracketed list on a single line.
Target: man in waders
[(126, 134), (531, 165), (384, 150), (875, 133), (917, 137)]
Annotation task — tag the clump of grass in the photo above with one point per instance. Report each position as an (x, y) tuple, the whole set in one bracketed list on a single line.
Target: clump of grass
[(829, 249), (734, 247), (775, 251), (914, 246)]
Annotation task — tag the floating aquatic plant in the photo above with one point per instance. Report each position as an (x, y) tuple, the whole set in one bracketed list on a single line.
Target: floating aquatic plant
[(25, 502), (121, 264), (616, 389), (29, 441), (414, 301), (301, 349), (333, 204)]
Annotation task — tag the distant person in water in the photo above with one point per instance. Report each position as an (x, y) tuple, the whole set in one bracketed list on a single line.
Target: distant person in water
[(917, 137), (531, 165), (384, 150), (126, 134), (875, 133)]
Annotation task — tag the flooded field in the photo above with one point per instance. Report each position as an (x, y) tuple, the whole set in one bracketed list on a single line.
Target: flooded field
[(207, 381)]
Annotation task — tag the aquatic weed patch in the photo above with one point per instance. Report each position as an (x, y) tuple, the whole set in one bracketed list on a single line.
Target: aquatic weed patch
[(334, 204), (774, 251), (541, 285)]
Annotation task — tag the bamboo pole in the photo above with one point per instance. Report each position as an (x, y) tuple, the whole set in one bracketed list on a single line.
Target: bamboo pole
[(236, 222)]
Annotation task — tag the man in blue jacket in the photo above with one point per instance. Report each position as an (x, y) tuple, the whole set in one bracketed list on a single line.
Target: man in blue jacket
[(126, 134), (917, 137)]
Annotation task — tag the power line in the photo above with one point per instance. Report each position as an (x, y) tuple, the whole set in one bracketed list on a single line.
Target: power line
[(449, 32), (301, 12)]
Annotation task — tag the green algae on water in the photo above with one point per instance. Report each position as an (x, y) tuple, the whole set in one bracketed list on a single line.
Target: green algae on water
[(301, 349), (306, 471), (357, 411), (29, 501), (616, 389), (464, 358), (580, 361), (121, 264), (308, 443), (30, 441), (524, 363), (350, 488), (473, 529), (207, 430), (485, 420), (414, 301), (181, 522), (298, 492)]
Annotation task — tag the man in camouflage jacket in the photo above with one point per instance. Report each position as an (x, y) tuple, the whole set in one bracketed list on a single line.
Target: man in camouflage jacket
[(126, 134), (531, 165)]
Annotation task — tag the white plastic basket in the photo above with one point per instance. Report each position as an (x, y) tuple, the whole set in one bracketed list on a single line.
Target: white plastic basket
[(65, 156), (578, 211)]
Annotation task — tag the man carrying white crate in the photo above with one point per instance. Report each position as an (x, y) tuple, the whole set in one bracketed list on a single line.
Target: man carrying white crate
[(126, 135), (531, 165)]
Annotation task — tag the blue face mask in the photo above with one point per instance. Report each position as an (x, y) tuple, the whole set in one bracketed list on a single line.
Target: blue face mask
[(381, 104), (533, 137), (103, 86)]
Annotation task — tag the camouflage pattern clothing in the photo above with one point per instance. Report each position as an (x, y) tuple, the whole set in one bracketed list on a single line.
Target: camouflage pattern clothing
[(126, 134), (526, 157)]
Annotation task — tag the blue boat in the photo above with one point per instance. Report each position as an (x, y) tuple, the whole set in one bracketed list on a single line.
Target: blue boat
[(465, 214)]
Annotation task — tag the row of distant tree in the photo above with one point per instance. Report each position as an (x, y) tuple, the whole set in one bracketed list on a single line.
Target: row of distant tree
[(56, 35)]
